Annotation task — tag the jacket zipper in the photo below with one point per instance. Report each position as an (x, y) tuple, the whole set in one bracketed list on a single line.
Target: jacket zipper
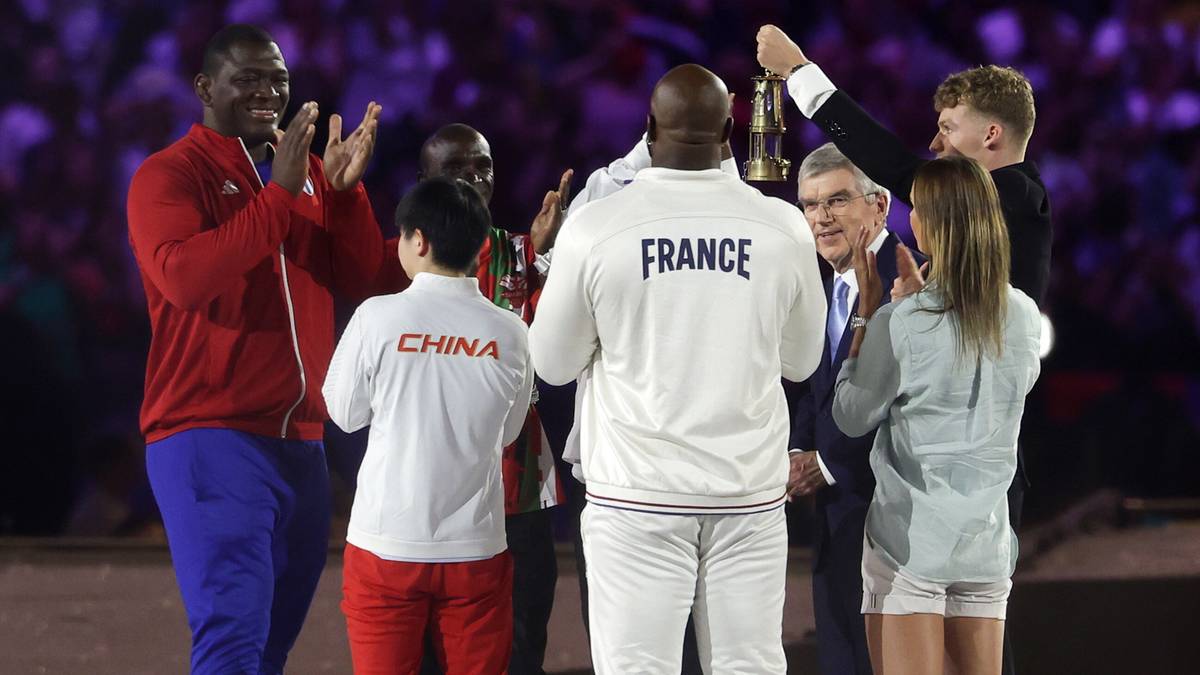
[(287, 296)]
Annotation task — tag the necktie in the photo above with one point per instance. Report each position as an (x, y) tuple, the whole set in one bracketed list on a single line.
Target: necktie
[(838, 316)]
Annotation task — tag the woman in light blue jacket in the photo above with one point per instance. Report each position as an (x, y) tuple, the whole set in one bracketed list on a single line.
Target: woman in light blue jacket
[(943, 373)]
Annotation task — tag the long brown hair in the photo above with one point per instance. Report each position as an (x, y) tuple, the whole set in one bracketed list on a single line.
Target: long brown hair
[(967, 243)]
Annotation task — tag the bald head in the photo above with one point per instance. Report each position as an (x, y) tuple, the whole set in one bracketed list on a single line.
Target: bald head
[(459, 151), (690, 105)]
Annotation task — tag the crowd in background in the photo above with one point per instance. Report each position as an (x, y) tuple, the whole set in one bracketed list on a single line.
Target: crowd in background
[(93, 88)]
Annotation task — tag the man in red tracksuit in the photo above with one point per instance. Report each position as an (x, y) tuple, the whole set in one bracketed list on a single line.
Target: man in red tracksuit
[(242, 237)]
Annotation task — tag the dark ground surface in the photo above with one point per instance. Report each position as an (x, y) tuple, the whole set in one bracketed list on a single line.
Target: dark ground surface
[(1114, 601)]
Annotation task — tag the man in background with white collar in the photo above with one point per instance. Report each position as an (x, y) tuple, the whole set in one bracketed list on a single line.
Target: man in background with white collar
[(839, 201)]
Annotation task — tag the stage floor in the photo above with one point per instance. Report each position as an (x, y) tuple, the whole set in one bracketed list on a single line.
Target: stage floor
[(1114, 601)]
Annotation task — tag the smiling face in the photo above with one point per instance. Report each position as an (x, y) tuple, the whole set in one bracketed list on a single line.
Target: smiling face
[(837, 226), (248, 93)]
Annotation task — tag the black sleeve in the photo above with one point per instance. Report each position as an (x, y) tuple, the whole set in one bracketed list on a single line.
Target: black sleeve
[(1027, 214), (802, 407), (868, 144)]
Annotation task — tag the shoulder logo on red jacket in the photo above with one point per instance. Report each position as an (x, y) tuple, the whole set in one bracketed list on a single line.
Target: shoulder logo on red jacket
[(308, 187), (229, 188), (448, 345)]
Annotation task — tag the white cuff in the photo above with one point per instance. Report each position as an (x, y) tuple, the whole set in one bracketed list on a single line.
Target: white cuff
[(809, 87), (542, 262), (820, 464), (824, 471)]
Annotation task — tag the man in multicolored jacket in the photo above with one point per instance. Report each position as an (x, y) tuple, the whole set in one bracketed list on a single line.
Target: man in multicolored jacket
[(512, 267)]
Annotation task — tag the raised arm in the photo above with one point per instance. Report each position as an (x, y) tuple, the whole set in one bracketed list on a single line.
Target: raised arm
[(563, 338), (870, 146), (869, 383), (610, 179), (189, 259), (192, 260), (363, 263)]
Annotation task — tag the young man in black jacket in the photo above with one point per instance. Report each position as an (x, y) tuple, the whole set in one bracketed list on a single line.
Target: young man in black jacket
[(985, 113)]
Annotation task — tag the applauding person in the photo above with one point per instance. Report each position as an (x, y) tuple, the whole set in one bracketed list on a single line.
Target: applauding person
[(943, 373), (242, 237), (985, 113), (839, 203)]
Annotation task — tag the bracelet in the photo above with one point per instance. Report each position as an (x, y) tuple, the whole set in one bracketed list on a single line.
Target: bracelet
[(857, 322)]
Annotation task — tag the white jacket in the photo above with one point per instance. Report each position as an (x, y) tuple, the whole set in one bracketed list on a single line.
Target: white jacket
[(601, 183), (687, 295), (443, 377)]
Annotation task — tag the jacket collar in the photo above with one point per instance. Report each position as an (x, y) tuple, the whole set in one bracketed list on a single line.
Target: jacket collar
[(226, 147), (467, 286), (663, 174)]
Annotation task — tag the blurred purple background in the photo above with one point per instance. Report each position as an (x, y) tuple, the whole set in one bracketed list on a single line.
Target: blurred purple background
[(92, 88)]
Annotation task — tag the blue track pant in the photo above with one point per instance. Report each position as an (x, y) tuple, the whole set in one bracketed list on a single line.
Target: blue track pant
[(247, 520)]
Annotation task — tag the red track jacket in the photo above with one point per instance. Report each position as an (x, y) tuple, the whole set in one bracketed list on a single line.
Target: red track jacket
[(239, 282)]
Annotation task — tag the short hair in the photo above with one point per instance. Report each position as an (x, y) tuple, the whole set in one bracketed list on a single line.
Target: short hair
[(999, 92), (452, 131), (452, 217), (828, 158), (223, 41)]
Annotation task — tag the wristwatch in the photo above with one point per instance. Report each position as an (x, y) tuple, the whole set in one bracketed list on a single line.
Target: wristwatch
[(857, 321), (798, 67)]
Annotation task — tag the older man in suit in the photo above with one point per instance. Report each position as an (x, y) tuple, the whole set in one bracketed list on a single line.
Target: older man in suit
[(839, 201)]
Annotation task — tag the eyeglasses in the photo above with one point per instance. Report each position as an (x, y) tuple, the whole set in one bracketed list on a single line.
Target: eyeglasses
[(835, 205)]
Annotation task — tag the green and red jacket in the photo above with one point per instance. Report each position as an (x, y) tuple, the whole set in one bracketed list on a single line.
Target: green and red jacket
[(508, 276)]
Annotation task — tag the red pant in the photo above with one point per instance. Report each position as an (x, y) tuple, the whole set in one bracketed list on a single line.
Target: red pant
[(388, 605)]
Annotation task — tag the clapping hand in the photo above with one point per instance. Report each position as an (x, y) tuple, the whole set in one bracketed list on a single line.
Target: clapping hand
[(909, 278), (346, 160), (870, 290), (547, 222), (290, 166)]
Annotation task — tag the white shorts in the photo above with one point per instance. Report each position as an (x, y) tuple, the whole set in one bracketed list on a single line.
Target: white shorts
[(888, 591)]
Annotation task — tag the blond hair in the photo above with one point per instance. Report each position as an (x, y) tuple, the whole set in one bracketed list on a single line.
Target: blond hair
[(967, 243), (998, 92)]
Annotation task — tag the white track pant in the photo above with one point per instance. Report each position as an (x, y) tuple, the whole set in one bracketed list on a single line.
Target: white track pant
[(646, 572)]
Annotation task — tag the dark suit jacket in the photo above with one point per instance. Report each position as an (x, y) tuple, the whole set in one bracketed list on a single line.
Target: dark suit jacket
[(813, 428), (881, 156)]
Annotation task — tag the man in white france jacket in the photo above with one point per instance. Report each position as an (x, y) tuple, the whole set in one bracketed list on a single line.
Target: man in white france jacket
[(685, 296), (443, 378)]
